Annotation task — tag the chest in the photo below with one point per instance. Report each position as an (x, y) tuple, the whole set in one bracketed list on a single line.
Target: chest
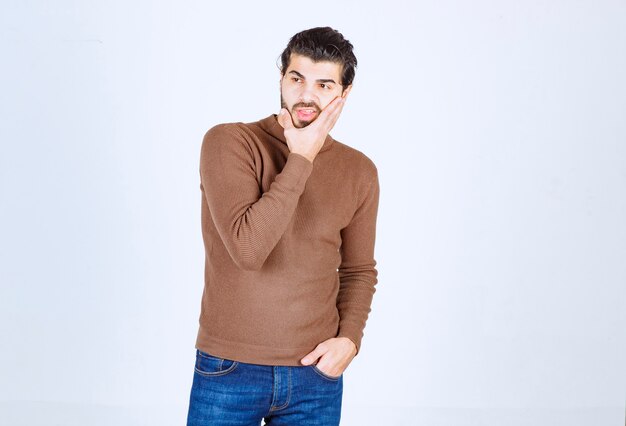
[(328, 202)]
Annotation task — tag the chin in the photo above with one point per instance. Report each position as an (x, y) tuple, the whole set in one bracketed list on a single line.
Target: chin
[(301, 124)]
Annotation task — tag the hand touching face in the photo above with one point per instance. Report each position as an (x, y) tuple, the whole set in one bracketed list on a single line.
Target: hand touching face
[(309, 139), (307, 87)]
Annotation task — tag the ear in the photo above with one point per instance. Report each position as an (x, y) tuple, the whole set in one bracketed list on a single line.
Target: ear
[(346, 91)]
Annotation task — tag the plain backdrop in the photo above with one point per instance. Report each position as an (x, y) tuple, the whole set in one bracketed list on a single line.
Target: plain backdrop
[(499, 132)]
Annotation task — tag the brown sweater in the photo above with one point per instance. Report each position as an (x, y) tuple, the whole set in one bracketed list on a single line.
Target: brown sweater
[(289, 244)]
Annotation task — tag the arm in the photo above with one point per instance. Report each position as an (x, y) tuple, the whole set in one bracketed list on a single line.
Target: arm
[(357, 273), (249, 223)]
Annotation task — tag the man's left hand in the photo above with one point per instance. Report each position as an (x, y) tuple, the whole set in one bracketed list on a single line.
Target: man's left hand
[(334, 354)]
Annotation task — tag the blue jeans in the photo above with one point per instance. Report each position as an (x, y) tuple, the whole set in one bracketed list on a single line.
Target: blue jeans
[(233, 393)]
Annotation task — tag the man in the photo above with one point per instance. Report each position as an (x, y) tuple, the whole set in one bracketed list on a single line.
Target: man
[(289, 224)]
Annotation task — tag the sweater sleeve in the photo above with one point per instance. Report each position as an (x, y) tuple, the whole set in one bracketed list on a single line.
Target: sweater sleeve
[(249, 222), (357, 273)]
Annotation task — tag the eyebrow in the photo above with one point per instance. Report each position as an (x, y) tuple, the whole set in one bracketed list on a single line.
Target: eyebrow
[(319, 80)]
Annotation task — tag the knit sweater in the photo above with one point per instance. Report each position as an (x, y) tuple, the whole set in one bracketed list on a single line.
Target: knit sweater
[(289, 244)]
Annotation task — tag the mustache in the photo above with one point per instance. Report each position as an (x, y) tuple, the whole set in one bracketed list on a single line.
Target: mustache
[(306, 105)]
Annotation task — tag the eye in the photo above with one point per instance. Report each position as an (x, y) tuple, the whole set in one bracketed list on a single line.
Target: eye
[(325, 86), (295, 79)]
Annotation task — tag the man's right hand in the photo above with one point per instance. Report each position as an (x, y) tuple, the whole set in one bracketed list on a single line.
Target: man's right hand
[(308, 140)]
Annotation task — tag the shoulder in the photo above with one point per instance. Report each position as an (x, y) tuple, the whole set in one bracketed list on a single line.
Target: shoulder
[(357, 161), (224, 130), (227, 143), (233, 135)]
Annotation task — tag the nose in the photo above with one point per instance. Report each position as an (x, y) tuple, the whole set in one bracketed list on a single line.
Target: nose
[(307, 94)]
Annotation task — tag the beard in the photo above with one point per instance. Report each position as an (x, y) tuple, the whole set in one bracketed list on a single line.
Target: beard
[(294, 116)]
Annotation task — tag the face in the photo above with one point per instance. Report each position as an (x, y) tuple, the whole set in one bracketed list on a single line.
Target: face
[(307, 87)]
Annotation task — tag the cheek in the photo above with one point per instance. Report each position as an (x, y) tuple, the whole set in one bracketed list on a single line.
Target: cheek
[(328, 98), (288, 94)]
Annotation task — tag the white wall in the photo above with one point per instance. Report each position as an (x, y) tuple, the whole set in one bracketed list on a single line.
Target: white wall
[(499, 132)]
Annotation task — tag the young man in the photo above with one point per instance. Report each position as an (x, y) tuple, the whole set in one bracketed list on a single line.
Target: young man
[(289, 225)]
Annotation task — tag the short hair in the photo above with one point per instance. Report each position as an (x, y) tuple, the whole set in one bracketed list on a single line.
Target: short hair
[(322, 44)]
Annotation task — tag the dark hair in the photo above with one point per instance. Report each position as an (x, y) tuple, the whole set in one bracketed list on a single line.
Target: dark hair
[(322, 44)]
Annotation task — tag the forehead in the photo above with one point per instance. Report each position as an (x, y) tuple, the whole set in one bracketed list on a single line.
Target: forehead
[(314, 70)]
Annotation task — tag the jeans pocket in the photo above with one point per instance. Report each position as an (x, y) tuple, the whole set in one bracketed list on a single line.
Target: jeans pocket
[(324, 375), (210, 365)]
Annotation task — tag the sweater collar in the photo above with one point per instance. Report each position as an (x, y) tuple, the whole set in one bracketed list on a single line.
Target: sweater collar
[(270, 125)]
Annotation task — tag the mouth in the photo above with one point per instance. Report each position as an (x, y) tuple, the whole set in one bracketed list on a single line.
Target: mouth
[(306, 114)]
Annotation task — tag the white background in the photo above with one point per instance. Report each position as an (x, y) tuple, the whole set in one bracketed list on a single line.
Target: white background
[(499, 132)]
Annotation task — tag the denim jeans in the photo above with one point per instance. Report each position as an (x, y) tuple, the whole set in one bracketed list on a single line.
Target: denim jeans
[(233, 393)]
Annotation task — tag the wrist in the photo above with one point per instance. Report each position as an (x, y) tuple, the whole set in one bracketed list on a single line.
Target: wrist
[(303, 155)]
